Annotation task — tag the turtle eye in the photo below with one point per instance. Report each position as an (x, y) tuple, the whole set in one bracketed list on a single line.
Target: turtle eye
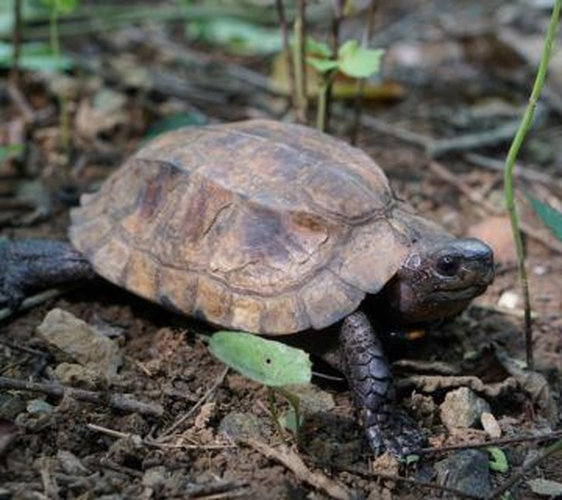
[(448, 265)]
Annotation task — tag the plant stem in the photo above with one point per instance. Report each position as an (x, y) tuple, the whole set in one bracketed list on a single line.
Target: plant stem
[(524, 126), (339, 8), (299, 61), (16, 44), (54, 31), (286, 50), (358, 105)]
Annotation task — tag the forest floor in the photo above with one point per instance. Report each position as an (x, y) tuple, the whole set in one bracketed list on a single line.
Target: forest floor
[(455, 79)]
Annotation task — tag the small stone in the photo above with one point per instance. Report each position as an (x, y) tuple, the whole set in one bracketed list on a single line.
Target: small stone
[(80, 342), (313, 399), (38, 407), (462, 408), (10, 406), (508, 300), (238, 425), (155, 477), (490, 425), (77, 375), (467, 471), (71, 464)]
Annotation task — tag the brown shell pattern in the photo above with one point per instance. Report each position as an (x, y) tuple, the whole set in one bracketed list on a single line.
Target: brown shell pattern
[(258, 226)]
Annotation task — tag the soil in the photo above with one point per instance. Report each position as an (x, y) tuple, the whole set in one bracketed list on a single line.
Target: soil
[(458, 81)]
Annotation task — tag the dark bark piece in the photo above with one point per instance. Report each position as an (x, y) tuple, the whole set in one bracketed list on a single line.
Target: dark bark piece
[(368, 374), (35, 264)]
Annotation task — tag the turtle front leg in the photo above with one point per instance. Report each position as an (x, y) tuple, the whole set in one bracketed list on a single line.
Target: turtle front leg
[(368, 374), (34, 264)]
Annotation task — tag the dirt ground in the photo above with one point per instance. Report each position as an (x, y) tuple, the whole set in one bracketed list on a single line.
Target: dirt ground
[(461, 74)]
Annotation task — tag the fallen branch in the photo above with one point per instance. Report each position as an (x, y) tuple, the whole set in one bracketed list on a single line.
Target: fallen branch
[(551, 450), (294, 463), (32, 301), (407, 480), (492, 442), (115, 401)]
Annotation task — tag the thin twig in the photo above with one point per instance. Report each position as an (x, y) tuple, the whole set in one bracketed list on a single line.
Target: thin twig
[(294, 462), (300, 62), (33, 301), (522, 130), (407, 480), (551, 450), (287, 51), (16, 45), (492, 442), (358, 104), (529, 174), (115, 401), (166, 432)]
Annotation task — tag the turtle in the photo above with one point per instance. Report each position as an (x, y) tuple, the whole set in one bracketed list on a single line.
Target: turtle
[(275, 229)]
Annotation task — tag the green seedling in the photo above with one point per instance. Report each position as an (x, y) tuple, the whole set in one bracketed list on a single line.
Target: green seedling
[(498, 460), (352, 61), (524, 126), (267, 362), (56, 9)]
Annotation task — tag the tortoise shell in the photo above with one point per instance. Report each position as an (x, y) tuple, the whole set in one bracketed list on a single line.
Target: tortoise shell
[(257, 225)]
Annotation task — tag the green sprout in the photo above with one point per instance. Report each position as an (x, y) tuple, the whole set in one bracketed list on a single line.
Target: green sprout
[(352, 60), (267, 362)]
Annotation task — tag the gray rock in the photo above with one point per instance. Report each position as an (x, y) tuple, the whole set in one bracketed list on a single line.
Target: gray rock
[(80, 342), (38, 407), (462, 408), (238, 425), (71, 464), (467, 471)]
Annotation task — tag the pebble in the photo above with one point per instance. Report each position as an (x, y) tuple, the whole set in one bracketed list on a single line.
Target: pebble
[(38, 407), (80, 342), (490, 425), (462, 408), (239, 425)]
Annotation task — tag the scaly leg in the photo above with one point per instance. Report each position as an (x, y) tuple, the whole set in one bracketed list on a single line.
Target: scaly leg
[(34, 264), (370, 380)]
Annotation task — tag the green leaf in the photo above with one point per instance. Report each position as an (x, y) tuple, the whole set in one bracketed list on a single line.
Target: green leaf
[(317, 48), (236, 36), (357, 62), (322, 65), (34, 56), (551, 217), (265, 361), (61, 6), (498, 460)]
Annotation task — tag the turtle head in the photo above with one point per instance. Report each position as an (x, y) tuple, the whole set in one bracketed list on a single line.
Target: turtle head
[(439, 278)]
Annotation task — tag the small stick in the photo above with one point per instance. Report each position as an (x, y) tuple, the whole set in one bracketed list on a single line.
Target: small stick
[(300, 63), (294, 463), (16, 45), (115, 401), (551, 450), (492, 442), (33, 301), (529, 174), (208, 489), (166, 432), (358, 104), (287, 51), (407, 480)]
